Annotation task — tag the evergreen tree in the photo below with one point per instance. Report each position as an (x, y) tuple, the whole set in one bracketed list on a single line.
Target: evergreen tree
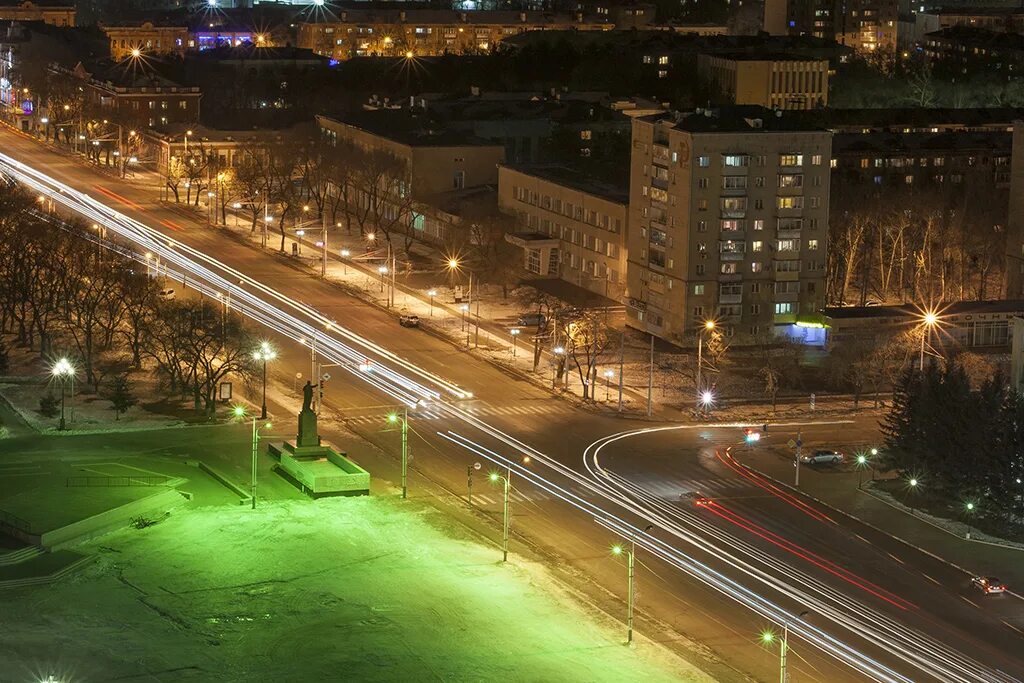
[(120, 396)]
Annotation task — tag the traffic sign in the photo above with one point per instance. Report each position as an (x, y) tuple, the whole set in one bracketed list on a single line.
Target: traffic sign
[(326, 376), (791, 443)]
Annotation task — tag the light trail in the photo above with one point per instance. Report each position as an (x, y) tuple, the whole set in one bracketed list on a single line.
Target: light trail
[(412, 385)]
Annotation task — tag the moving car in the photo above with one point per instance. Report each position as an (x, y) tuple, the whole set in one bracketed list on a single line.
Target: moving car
[(988, 584), (822, 457), (698, 499), (408, 320)]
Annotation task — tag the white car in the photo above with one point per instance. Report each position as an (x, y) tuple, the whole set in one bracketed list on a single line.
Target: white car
[(988, 584), (822, 457), (166, 294)]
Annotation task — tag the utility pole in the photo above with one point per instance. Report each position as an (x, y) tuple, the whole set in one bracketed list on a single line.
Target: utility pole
[(650, 382), (622, 355)]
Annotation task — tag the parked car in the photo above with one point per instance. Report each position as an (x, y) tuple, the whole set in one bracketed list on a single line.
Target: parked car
[(408, 320), (531, 320), (166, 293), (823, 456), (988, 584)]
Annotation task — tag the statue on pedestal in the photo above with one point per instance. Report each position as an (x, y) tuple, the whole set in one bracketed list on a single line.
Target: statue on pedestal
[(308, 434)]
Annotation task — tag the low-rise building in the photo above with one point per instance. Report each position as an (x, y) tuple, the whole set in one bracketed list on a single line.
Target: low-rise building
[(569, 226), (964, 50), (437, 161), (779, 81), (53, 13), (426, 32), (728, 221)]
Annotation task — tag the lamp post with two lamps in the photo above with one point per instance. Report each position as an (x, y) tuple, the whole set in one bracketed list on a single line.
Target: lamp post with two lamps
[(631, 578), (515, 335), (506, 480), (239, 412), (404, 419)]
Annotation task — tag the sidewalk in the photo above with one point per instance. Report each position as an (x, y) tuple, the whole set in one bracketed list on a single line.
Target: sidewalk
[(838, 489)]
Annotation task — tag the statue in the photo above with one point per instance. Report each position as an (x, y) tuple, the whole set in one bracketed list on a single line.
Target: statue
[(307, 396)]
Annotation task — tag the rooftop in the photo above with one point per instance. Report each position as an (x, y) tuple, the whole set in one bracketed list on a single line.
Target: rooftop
[(578, 179), (1013, 306), (888, 144), (766, 56), (738, 119), (404, 128)]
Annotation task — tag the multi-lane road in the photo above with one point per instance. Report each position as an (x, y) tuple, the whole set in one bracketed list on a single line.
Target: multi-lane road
[(859, 605)]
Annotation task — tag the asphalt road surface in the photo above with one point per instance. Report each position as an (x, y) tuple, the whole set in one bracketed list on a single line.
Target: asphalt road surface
[(722, 570)]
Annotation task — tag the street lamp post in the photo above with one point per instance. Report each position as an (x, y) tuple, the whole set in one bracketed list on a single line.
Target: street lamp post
[(62, 370), (608, 374), (345, 254), (708, 325), (393, 418), (969, 508), (507, 481), (862, 461), (469, 483), (928, 321), (515, 335), (768, 637), (255, 453), (432, 293), (913, 482), (264, 353), (631, 578)]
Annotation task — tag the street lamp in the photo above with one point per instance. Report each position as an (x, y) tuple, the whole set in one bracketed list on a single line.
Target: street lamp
[(432, 293), (768, 637), (707, 399), (507, 481), (862, 461), (345, 254), (263, 354), (383, 270), (631, 574), (455, 266), (392, 419), (708, 326), (515, 335), (239, 412), (63, 371), (969, 508), (929, 319), (608, 374)]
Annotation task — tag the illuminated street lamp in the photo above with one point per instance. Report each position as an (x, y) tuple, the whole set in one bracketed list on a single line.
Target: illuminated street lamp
[(264, 354), (383, 270), (608, 374), (768, 638), (63, 370), (432, 293), (707, 399), (862, 462), (392, 419), (239, 412), (709, 325), (631, 574), (507, 481), (929, 320), (969, 508), (515, 335)]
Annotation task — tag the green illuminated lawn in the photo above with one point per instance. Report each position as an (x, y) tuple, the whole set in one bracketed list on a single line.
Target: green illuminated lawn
[(344, 589)]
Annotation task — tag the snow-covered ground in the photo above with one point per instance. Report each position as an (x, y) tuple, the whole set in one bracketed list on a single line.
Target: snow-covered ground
[(356, 589)]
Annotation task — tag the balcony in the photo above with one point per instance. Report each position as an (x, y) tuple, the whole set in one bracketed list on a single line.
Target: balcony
[(787, 276), (731, 255), (730, 277), (734, 191), (788, 234), (786, 297), (730, 298), (733, 213), (660, 183)]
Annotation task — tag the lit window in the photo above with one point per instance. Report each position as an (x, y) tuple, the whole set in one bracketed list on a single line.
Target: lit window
[(812, 245), (756, 245), (698, 290)]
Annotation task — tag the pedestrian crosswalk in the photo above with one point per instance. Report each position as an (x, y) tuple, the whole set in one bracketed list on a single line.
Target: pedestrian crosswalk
[(482, 410)]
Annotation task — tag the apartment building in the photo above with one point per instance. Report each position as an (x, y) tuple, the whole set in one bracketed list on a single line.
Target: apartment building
[(1014, 286), (569, 226), (728, 217), (864, 25), (776, 81), (427, 32), (54, 14)]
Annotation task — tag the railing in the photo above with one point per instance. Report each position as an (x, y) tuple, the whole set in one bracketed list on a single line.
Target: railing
[(115, 481)]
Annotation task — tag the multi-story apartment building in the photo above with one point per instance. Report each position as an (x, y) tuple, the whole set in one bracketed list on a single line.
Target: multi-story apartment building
[(959, 51), (864, 25), (570, 226), (776, 81), (728, 218), (1015, 233), (37, 10), (425, 32)]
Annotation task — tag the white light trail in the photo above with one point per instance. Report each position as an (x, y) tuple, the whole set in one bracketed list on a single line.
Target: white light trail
[(412, 385)]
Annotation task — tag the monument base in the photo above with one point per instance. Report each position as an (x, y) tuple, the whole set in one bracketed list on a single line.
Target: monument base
[(320, 470)]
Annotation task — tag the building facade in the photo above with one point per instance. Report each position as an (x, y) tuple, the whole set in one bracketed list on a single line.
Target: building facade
[(150, 39), (864, 25), (773, 81), (427, 32), (728, 222), (141, 100), (1015, 232), (569, 227), (55, 15)]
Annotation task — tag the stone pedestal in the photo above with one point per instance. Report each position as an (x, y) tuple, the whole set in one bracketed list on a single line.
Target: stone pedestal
[(308, 435)]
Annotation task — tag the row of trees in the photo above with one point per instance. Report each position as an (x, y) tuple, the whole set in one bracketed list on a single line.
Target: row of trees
[(962, 441), (918, 244), (62, 293)]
